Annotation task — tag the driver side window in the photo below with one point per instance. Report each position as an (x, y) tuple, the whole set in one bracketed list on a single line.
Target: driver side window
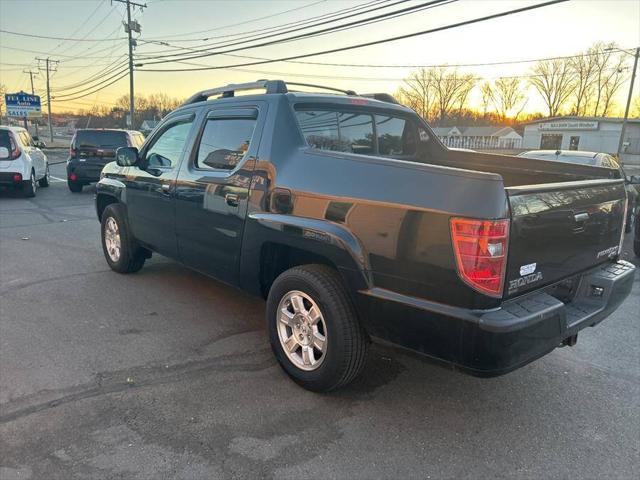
[(167, 148)]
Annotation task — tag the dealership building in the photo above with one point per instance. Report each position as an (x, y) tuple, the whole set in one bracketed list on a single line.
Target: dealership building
[(594, 134)]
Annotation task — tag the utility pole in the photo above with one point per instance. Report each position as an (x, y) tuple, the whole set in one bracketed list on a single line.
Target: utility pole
[(48, 63), (626, 110), (130, 27), (33, 92)]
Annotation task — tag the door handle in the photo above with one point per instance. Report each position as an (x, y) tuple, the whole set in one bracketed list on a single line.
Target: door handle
[(166, 188), (232, 199)]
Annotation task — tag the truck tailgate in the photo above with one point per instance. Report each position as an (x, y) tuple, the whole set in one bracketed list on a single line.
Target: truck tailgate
[(560, 229)]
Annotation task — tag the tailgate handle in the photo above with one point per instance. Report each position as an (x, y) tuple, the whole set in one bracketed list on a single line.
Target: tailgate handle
[(581, 217)]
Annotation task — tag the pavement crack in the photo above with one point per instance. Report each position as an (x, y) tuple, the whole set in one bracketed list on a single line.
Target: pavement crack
[(20, 286), (130, 379)]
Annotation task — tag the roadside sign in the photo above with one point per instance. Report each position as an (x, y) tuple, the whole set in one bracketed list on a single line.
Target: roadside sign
[(23, 105)]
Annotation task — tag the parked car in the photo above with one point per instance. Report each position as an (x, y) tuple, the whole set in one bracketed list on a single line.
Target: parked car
[(91, 149), (597, 160), (356, 223), (22, 164)]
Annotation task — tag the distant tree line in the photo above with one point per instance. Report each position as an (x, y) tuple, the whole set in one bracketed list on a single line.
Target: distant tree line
[(149, 107), (584, 85)]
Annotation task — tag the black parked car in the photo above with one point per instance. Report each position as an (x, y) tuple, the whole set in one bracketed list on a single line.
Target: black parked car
[(356, 223), (91, 149)]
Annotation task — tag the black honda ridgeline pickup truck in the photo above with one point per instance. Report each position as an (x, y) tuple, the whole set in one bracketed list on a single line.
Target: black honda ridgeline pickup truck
[(355, 223)]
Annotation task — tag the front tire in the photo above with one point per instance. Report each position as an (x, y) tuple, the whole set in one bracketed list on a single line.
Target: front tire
[(44, 181), (121, 251), (30, 186), (314, 330)]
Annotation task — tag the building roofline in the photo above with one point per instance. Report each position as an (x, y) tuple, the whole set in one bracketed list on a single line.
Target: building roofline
[(586, 119)]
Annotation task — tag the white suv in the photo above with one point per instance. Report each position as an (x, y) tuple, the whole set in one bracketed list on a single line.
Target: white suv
[(22, 163)]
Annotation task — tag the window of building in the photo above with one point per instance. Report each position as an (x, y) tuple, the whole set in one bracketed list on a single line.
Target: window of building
[(574, 142), (551, 141), (224, 142)]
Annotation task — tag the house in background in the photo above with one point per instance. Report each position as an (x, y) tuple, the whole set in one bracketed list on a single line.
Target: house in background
[(148, 126), (479, 138)]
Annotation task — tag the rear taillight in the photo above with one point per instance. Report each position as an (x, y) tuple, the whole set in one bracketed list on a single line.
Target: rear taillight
[(15, 149), (480, 248), (17, 177), (72, 152), (73, 177)]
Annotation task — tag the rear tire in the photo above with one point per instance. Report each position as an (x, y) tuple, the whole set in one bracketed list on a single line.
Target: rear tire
[(122, 252), (324, 318), (74, 186), (30, 186), (44, 181)]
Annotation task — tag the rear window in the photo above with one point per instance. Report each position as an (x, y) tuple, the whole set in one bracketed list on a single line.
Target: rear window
[(356, 133), (100, 139), (337, 131), (5, 140)]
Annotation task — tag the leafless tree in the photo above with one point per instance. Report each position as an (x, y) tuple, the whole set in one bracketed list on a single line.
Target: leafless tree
[(553, 79), (509, 97), (608, 78), (451, 88), (417, 93), (635, 111), (584, 74), (487, 96)]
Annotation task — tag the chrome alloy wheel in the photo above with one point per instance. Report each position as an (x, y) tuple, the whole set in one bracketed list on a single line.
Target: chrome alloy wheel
[(34, 182), (112, 239), (302, 330)]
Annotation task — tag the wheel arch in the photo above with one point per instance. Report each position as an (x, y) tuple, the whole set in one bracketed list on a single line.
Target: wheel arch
[(275, 242)]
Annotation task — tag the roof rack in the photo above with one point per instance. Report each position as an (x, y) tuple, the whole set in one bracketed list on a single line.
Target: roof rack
[(270, 86), (383, 97)]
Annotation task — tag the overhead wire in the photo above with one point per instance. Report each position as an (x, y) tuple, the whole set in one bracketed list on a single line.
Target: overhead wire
[(365, 44)]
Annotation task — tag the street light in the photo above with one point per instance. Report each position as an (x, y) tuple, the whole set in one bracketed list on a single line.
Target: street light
[(626, 110)]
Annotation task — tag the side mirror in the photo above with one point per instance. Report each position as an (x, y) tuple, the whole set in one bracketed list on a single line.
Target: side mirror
[(39, 144), (634, 180), (127, 156), (4, 152)]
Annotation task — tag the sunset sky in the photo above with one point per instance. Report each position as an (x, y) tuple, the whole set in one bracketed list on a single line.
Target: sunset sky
[(557, 30)]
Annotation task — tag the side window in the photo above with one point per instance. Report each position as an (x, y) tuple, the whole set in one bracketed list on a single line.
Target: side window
[(338, 131), (224, 143), (396, 136), (25, 138), (167, 148)]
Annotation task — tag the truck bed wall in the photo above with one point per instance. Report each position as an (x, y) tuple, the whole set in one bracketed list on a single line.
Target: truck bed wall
[(517, 171)]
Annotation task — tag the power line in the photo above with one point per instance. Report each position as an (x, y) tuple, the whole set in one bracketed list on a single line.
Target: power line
[(371, 43), (324, 31), (284, 26), (118, 64), (244, 22), (55, 38), (124, 75), (71, 94)]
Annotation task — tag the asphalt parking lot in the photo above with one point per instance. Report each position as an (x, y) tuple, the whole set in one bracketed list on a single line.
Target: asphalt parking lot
[(168, 374)]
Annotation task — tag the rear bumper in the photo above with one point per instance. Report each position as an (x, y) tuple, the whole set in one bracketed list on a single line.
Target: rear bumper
[(85, 172), (491, 343), (6, 179)]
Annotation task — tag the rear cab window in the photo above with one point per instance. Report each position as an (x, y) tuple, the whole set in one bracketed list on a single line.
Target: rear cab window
[(364, 133), (100, 139)]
